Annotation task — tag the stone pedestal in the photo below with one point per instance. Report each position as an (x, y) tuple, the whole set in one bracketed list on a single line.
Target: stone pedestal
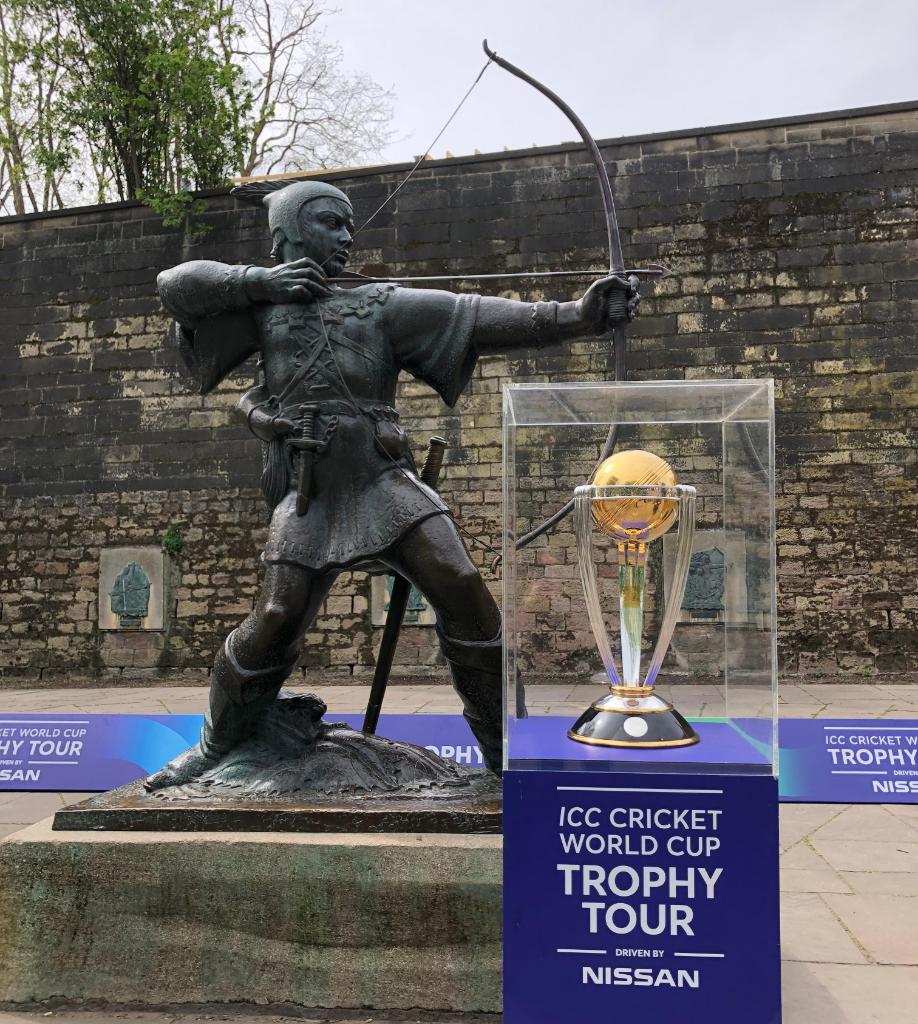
[(383, 921)]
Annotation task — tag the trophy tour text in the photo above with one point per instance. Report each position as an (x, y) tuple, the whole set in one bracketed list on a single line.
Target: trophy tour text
[(23, 749), (640, 873)]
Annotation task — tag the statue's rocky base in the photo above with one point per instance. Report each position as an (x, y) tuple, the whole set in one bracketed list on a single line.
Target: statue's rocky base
[(299, 773), (146, 919)]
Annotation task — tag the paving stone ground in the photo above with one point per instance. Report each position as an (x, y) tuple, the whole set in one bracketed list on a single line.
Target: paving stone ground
[(849, 874)]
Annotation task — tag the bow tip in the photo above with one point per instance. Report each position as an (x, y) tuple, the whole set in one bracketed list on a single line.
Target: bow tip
[(487, 49)]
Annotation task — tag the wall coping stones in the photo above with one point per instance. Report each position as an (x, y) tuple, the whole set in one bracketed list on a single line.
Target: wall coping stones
[(380, 170)]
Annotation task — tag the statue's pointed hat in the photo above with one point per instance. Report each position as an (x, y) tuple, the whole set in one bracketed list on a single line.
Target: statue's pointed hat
[(284, 198)]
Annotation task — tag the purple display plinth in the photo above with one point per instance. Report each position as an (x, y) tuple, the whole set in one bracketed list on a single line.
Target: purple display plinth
[(651, 900), (542, 742)]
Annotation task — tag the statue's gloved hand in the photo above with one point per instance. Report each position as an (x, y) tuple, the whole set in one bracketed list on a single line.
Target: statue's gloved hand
[(263, 416), (300, 281), (280, 426), (610, 303), (267, 423)]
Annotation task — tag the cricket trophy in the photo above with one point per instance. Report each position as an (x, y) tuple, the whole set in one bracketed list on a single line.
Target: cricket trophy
[(634, 498)]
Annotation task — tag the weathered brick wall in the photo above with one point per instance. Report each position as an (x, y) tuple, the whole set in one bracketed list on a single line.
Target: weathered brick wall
[(795, 252)]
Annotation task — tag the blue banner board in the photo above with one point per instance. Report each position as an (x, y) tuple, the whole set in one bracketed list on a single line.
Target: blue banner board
[(821, 760), (92, 753), (647, 899), (849, 761)]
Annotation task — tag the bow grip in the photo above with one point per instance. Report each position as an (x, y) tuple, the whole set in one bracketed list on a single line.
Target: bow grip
[(616, 309)]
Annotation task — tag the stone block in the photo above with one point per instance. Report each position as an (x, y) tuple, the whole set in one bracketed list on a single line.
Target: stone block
[(386, 921)]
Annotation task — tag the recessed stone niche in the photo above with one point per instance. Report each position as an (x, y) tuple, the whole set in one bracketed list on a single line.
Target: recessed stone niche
[(716, 590), (131, 589)]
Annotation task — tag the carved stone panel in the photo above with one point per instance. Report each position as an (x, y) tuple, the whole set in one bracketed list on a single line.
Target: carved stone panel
[(418, 612), (716, 590), (131, 589)]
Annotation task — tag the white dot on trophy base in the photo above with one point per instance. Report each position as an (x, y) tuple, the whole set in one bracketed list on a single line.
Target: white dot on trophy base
[(635, 727)]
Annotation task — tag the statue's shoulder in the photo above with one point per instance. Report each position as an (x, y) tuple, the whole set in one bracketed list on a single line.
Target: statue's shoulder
[(362, 301)]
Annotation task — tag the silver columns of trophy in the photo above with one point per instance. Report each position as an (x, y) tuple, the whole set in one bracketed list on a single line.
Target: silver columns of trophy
[(634, 498)]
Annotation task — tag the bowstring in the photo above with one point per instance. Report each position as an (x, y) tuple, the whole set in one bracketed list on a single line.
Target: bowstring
[(379, 209)]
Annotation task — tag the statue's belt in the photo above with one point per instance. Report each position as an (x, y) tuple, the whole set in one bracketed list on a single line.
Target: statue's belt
[(388, 436), (340, 407)]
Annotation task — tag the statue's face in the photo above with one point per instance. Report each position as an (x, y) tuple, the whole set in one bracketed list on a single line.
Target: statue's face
[(327, 230)]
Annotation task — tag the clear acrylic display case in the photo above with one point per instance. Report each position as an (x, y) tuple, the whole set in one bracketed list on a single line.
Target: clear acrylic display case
[(720, 669)]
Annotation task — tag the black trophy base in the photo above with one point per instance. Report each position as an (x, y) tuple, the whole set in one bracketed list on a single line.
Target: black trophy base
[(634, 723)]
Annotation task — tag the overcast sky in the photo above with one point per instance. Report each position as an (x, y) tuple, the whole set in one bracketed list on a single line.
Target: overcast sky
[(626, 68)]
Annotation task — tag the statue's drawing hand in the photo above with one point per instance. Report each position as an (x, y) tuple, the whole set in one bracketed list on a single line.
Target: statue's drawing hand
[(609, 303), (300, 281)]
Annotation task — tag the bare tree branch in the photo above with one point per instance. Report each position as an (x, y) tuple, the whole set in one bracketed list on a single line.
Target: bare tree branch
[(308, 112)]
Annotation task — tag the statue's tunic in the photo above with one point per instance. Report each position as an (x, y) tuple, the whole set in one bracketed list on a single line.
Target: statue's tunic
[(364, 493)]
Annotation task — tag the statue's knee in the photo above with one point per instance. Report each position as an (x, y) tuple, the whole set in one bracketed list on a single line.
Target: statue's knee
[(480, 599), (277, 623), (273, 615)]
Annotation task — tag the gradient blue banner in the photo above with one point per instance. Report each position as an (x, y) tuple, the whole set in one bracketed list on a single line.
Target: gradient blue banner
[(849, 761), (821, 760), (93, 753)]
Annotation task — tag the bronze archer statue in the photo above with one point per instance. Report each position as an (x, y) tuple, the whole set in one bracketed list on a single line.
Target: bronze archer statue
[(338, 472)]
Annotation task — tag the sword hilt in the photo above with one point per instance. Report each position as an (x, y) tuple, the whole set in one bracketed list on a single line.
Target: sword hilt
[(307, 419), (433, 461), (307, 445)]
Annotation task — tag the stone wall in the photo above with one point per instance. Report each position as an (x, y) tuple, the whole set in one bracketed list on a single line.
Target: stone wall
[(794, 247)]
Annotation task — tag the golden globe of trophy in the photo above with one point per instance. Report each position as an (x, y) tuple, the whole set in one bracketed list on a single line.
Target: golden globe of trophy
[(634, 499)]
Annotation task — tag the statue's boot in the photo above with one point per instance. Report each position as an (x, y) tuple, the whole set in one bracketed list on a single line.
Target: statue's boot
[(238, 698), (477, 671)]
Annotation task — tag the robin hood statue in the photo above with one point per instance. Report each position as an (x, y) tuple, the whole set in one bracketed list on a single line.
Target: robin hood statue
[(338, 472)]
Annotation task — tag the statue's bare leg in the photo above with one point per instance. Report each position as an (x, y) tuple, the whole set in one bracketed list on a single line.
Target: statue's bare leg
[(250, 668), (434, 558)]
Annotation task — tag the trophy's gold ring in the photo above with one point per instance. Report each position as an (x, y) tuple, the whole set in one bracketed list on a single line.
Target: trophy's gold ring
[(688, 742), (632, 691), (634, 711)]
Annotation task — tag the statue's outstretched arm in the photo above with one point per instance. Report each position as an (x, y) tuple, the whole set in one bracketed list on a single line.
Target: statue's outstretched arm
[(437, 336), (502, 324)]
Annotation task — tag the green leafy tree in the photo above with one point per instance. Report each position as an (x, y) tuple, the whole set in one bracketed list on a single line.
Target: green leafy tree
[(154, 99), (162, 110)]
